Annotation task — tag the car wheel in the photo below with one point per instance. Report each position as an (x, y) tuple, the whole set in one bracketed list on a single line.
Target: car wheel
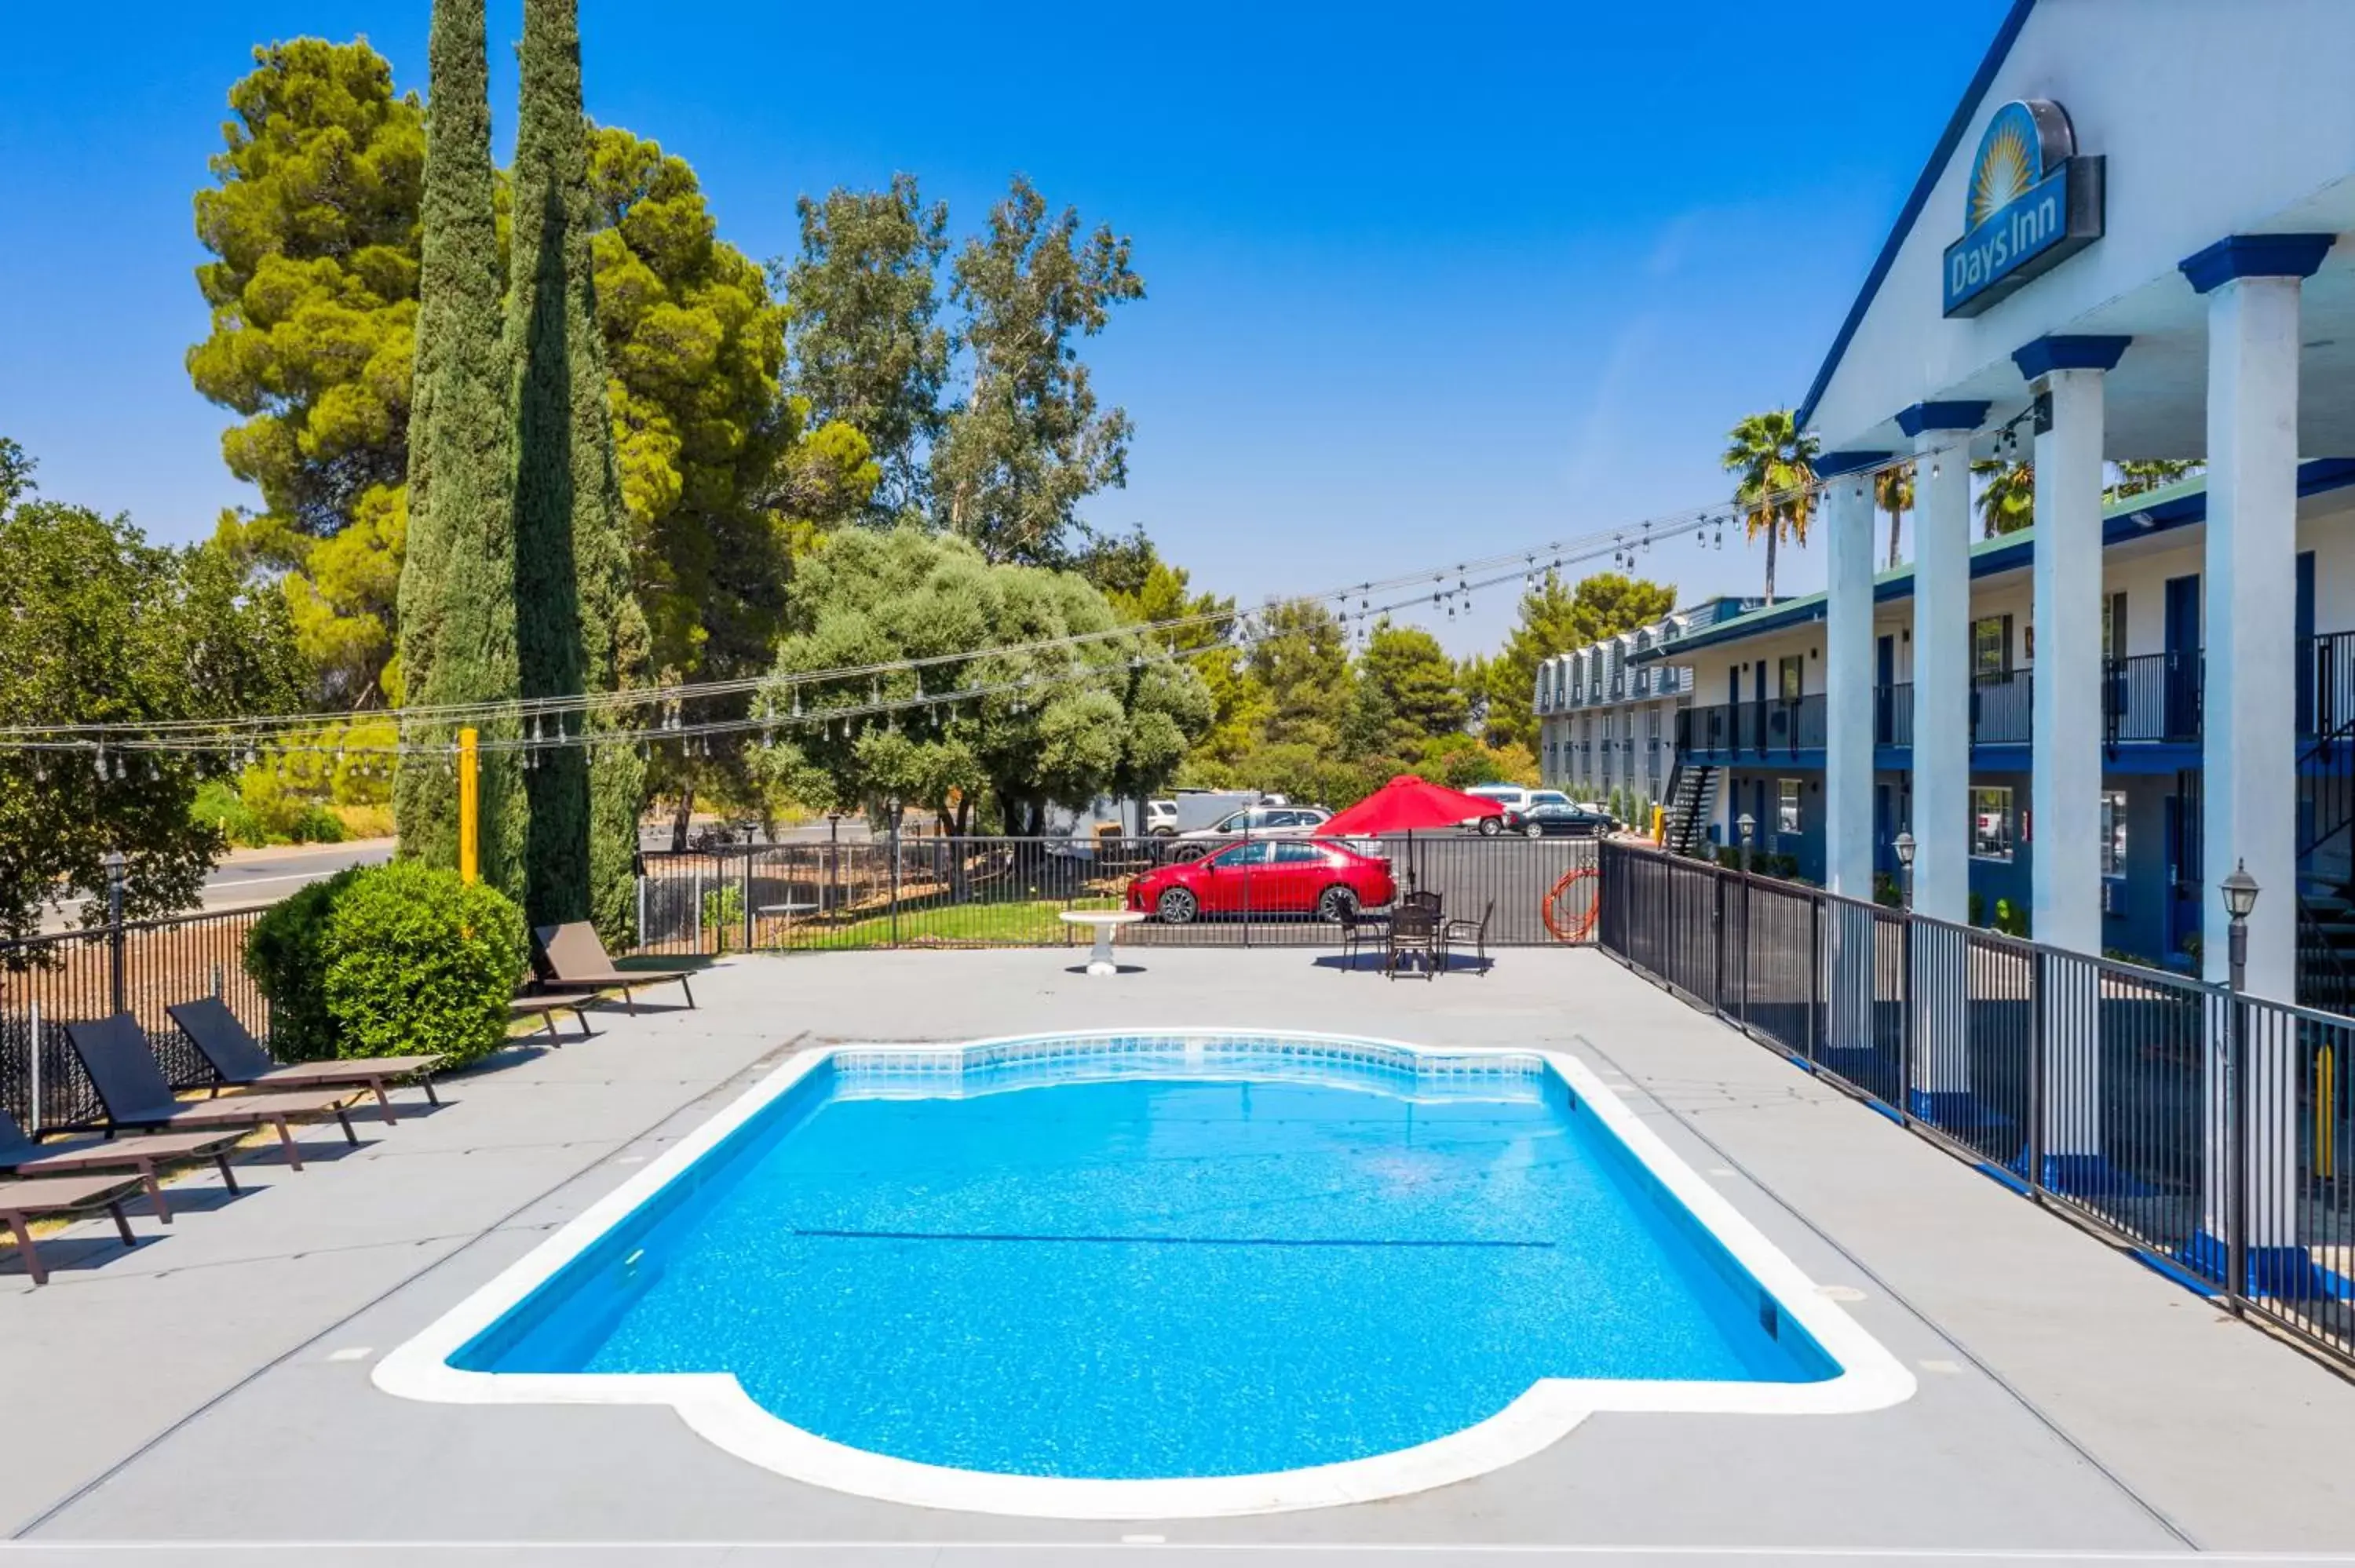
[(1534, 831), (1176, 906), (1491, 826), (1185, 854), (1335, 903)]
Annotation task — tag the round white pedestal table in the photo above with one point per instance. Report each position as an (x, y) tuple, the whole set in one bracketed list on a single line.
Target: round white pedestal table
[(1105, 922)]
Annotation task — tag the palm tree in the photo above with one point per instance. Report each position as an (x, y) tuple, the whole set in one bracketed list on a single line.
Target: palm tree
[(2008, 504), (1776, 461), (2140, 478), (1893, 492)]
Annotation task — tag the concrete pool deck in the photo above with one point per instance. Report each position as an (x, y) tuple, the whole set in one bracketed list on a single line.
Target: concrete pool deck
[(212, 1386)]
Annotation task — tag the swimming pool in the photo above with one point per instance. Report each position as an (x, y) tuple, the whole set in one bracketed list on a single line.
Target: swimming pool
[(1155, 1273)]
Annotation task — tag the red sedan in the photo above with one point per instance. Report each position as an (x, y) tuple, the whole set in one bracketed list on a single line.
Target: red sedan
[(1266, 876)]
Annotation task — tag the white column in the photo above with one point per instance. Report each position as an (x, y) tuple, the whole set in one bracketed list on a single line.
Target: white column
[(1941, 675), (2249, 708), (2249, 712), (1942, 760), (2066, 794), (1848, 688)]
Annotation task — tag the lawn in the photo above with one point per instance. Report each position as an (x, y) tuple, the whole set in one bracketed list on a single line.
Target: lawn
[(1025, 923)]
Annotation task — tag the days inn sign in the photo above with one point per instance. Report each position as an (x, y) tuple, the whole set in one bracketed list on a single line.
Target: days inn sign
[(2032, 204)]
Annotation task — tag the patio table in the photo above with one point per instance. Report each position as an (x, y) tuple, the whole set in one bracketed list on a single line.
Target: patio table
[(1105, 922)]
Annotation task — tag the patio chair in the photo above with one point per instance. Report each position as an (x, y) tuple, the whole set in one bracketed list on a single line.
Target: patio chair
[(141, 1157), (1414, 929), (22, 1203), (133, 1091), (241, 1063), (1426, 901), (1455, 931), (1358, 928), (572, 958)]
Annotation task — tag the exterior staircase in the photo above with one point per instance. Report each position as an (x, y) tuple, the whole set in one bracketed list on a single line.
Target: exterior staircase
[(1692, 798), (2326, 875)]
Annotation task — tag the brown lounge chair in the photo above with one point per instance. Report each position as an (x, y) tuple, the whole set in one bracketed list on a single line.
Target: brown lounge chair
[(242, 1063), (572, 958), (131, 1089), (22, 1203), (545, 1008), (142, 1156)]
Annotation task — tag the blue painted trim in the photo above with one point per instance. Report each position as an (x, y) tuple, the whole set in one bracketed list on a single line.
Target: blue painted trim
[(2063, 352), (2256, 256), (2089, 1176), (1831, 465), (2168, 1269), (2285, 1273), (1987, 1167), (1923, 417), (1953, 1111)]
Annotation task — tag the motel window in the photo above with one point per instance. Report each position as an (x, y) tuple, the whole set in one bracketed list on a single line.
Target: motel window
[(2114, 626), (1789, 673), (1652, 726), (1786, 805), (2114, 833), (1991, 645), (1991, 825)]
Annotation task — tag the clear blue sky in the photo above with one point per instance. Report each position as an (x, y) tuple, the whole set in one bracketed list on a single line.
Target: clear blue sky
[(1421, 280)]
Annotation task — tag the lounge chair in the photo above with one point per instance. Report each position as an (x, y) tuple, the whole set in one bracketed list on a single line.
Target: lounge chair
[(241, 1063), (142, 1156), (22, 1203), (572, 958), (132, 1090), (545, 1008)]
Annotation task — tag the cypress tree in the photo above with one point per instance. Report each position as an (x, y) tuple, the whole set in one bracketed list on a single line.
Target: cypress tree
[(457, 606), (577, 625)]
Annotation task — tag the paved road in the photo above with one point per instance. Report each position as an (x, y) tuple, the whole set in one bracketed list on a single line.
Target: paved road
[(265, 876)]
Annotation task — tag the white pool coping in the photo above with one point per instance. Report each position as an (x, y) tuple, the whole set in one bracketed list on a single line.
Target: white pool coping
[(716, 1406)]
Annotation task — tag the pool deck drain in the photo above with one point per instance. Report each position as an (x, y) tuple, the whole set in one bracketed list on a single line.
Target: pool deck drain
[(2083, 1410)]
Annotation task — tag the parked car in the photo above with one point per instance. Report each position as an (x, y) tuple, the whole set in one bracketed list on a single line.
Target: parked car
[(1561, 819), (1259, 821), (1266, 876), (1161, 818)]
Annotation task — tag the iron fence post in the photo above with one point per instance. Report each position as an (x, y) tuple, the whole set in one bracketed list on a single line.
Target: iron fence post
[(895, 874), (2037, 1046), (747, 898), (695, 905), (1905, 1018), (2236, 1142), (1717, 942), (1815, 970), (114, 938)]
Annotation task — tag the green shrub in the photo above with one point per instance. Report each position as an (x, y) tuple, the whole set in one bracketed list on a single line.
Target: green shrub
[(1885, 890), (418, 960), (316, 825), (2010, 919), (218, 802), (723, 913), (286, 954), (1977, 916)]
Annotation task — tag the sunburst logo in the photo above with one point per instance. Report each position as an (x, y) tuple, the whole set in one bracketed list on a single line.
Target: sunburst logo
[(2009, 164)]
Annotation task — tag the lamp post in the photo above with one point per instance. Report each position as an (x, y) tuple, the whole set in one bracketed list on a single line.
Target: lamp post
[(1904, 847), (2240, 891), (1748, 825)]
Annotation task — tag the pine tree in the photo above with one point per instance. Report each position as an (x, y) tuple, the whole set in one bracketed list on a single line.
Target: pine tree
[(457, 582), (577, 625)]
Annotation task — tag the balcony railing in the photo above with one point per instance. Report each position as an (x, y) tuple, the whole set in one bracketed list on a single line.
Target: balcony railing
[(2149, 698)]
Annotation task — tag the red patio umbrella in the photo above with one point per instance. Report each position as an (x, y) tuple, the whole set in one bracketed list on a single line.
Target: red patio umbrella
[(1404, 804)]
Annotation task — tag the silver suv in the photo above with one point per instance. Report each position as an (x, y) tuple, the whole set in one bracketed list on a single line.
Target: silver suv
[(1259, 821)]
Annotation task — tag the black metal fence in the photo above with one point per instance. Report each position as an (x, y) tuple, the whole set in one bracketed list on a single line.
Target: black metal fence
[(927, 891), (139, 967), (2208, 1131)]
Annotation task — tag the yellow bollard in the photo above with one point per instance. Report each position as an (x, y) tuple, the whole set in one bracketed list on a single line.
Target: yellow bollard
[(469, 807), (2326, 1101), (1659, 824)]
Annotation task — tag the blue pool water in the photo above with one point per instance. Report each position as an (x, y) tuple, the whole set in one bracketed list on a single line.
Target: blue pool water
[(1257, 1267)]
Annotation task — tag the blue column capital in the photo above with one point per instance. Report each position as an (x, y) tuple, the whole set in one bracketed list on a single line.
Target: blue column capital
[(2255, 256), (1923, 417), (1831, 465), (2047, 355)]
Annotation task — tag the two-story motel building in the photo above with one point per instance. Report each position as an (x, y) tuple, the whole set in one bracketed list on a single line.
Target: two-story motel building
[(2125, 246)]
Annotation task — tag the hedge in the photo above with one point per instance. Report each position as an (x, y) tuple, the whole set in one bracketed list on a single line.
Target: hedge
[(389, 959)]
